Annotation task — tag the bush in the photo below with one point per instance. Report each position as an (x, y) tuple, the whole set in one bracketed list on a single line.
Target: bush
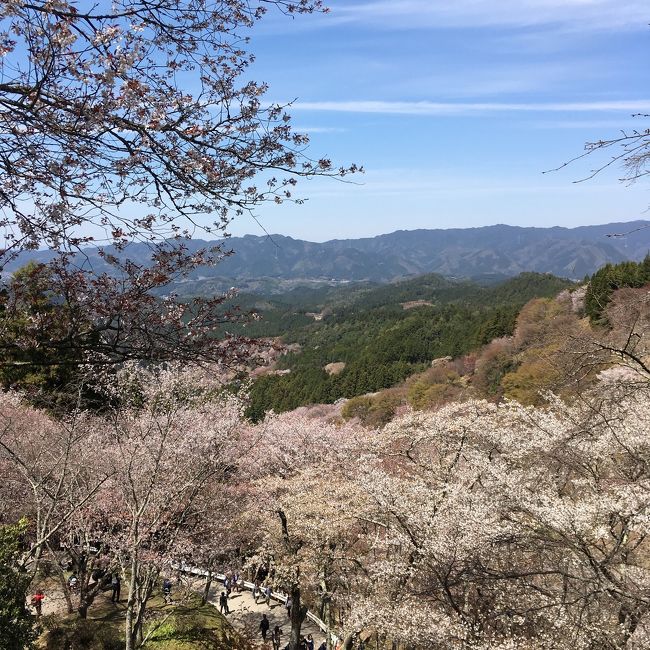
[(373, 412), (423, 396), (495, 362)]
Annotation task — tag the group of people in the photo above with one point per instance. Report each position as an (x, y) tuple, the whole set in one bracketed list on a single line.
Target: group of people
[(262, 592), (234, 582), (306, 643), (115, 588), (231, 582)]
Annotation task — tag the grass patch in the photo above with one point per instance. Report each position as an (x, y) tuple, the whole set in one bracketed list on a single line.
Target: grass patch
[(184, 626), (193, 626)]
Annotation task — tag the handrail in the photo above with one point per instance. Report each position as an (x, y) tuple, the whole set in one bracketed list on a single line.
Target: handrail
[(276, 595)]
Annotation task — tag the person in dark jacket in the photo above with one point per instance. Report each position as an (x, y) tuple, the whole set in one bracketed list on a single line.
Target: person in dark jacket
[(167, 590), (264, 626), (223, 603), (115, 588), (276, 637)]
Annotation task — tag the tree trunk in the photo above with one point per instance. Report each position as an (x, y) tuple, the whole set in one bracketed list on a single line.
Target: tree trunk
[(206, 589), (144, 589), (327, 614), (298, 614), (138, 632), (138, 625), (130, 607), (325, 611)]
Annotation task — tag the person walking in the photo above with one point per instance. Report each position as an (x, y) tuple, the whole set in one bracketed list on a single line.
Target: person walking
[(264, 626), (288, 605), (37, 602), (223, 603), (267, 595), (310, 642), (167, 590), (275, 637), (115, 588), (256, 589)]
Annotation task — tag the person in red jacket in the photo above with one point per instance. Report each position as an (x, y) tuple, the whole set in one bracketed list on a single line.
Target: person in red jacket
[(37, 602)]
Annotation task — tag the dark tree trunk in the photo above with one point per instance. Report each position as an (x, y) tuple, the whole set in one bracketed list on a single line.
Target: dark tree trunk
[(88, 594), (298, 614), (143, 594), (206, 589)]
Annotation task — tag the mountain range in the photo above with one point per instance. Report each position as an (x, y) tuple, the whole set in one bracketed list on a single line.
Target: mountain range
[(497, 251)]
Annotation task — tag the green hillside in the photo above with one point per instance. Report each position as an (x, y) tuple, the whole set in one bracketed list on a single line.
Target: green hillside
[(379, 336)]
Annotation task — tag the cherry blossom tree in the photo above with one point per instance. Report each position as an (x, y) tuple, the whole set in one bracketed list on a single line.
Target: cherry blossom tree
[(137, 121), (511, 527), (138, 103), (174, 440), (58, 316), (130, 489), (50, 471), (301, 469)]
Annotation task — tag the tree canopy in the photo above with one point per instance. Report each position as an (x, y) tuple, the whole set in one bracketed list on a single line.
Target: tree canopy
[(138, 121), (16, 625)]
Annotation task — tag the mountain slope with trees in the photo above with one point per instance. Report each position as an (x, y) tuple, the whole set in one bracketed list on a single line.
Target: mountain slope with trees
[(381, 341), (276, 263)]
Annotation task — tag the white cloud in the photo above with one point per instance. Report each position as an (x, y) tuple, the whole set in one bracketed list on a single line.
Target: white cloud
[(587, 14), (460, 80), (617, 125), (319, 129), (464, 108)]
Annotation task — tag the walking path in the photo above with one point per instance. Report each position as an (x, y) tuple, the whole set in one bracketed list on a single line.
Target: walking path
[(245, 615)]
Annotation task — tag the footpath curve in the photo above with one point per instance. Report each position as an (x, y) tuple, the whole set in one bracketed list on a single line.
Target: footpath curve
[(246, 613)]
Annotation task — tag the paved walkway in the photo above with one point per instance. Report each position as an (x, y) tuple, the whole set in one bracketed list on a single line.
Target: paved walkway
[(246, 614)]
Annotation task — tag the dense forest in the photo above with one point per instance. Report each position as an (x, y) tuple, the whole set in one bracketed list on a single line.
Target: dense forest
[(611, 277), (383, 334)]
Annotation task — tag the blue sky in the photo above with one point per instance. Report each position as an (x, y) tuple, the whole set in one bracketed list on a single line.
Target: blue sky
[(455, 108)]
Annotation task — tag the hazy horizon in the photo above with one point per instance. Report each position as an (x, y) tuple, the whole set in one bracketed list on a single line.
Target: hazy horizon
[(487, 225)]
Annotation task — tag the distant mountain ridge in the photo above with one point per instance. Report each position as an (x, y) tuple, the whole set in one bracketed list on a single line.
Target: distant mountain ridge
[(499, 251)]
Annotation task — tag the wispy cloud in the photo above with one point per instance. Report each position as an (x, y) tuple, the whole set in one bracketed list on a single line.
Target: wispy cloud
[(617, 125), (429, 184), (464, 108), (588, 14), (462, 80), (319, 129)]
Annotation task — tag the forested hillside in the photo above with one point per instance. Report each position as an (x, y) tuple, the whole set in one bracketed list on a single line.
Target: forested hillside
[(383, 334), (610, 278)]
